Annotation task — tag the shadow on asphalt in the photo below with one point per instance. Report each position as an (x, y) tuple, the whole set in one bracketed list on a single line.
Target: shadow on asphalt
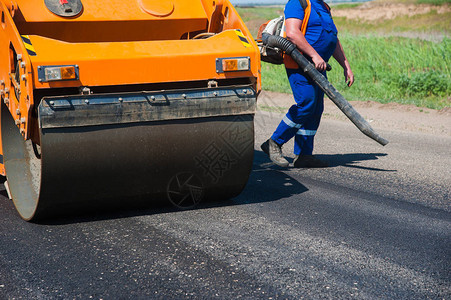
[(348, 160), (267, 183), (334, 160)]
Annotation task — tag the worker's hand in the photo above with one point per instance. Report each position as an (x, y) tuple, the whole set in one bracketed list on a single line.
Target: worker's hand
[(319, 62), (349, 76)]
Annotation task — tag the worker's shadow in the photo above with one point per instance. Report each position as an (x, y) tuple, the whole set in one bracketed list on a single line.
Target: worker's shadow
[(333, 160), (267, 183), (351, 159)]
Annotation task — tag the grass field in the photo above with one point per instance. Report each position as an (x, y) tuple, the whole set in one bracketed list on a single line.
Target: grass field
[(387, 67)]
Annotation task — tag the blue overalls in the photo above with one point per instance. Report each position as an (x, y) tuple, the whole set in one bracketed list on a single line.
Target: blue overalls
[(303, 118)]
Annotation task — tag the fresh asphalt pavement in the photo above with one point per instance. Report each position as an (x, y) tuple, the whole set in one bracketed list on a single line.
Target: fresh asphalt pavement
[(376, 224)]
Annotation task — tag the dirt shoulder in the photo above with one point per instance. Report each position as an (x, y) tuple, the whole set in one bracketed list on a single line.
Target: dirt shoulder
[(388, 116)]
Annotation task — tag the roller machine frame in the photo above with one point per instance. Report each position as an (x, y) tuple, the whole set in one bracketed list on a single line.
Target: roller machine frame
[(105, 101)]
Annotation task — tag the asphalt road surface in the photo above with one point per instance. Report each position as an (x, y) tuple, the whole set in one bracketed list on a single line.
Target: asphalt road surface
[(376, 224)]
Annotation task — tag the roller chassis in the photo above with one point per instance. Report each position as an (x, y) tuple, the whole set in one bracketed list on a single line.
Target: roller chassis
[(69, 146)]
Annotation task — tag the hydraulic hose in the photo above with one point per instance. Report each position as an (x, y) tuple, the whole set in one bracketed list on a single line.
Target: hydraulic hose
[(290, 49)]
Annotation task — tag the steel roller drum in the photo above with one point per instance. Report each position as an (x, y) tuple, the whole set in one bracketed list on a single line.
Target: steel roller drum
[(98, 151)]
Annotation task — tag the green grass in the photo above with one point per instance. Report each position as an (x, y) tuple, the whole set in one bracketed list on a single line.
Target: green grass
[(433, 2), (390, 69), (432, 22), (387, 68), (259, 12), (255, 16)]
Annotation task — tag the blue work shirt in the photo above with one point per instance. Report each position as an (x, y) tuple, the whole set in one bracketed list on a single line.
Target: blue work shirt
[(321, 32)]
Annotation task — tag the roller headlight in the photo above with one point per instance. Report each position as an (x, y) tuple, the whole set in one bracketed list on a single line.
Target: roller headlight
[(57, 73), (233, 64)]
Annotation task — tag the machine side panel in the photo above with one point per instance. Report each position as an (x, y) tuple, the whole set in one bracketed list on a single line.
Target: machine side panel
[(15, 72)]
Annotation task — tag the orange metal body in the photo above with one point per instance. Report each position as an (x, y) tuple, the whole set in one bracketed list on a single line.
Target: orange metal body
[(117, 43)]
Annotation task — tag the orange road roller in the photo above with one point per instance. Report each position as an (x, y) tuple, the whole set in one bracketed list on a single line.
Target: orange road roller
[(106, 101)]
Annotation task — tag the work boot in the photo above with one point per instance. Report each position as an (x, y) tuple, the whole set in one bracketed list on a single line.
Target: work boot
[(308, 161), (265, 147), (274, 151)]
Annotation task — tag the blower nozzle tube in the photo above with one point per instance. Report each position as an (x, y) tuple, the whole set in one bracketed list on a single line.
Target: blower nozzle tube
[(290, 49)]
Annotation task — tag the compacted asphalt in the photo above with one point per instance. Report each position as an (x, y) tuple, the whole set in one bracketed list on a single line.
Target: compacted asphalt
[(376, 224)]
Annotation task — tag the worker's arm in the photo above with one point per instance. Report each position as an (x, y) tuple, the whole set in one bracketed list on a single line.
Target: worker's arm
[(295, 35), (339, 55)]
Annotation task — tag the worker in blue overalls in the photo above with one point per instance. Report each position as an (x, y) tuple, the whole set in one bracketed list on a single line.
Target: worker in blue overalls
[(302, 120)]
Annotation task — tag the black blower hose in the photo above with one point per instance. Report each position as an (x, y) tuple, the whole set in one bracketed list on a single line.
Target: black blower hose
[(291, 49)]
